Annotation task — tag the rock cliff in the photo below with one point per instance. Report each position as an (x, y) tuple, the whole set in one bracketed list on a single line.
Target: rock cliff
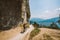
[(11, 13)]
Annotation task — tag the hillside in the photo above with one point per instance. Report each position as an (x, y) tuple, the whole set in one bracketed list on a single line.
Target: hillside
[(47, 34)]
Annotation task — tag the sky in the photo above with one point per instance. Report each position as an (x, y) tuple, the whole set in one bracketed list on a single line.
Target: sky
[(44, 9)]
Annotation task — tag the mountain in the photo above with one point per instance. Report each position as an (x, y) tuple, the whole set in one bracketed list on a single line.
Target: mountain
[(49, 21), (46, 22), (36, 20), (52, 19)]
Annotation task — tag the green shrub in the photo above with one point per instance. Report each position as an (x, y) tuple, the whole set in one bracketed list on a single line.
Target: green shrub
[(34, 33)]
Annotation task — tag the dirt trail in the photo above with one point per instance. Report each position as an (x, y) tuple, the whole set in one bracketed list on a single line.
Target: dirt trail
[(47, 34), (5, 35), (20, 36)]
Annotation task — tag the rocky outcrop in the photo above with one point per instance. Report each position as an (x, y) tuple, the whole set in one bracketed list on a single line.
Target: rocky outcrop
[(11, 13), (27, 9)]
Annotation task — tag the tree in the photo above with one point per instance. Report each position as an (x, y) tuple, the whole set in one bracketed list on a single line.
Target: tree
[(54, 26), (31, 22), (59, 19), (36, 25)]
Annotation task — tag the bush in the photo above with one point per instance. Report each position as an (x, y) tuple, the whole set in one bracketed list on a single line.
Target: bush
[(59, 21), (34, 33)]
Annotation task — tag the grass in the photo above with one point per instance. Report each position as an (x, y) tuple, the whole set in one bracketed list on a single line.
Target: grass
[(34, 33)]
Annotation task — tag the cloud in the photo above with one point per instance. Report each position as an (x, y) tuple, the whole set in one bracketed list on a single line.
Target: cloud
[(47, 14), (57, 9)]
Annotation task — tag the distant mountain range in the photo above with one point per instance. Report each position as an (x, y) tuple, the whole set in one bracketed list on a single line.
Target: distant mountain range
[(36, 19), (46, 22)]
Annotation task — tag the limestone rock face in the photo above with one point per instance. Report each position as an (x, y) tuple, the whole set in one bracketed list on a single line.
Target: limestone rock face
[(27, 9), (11, 13)]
